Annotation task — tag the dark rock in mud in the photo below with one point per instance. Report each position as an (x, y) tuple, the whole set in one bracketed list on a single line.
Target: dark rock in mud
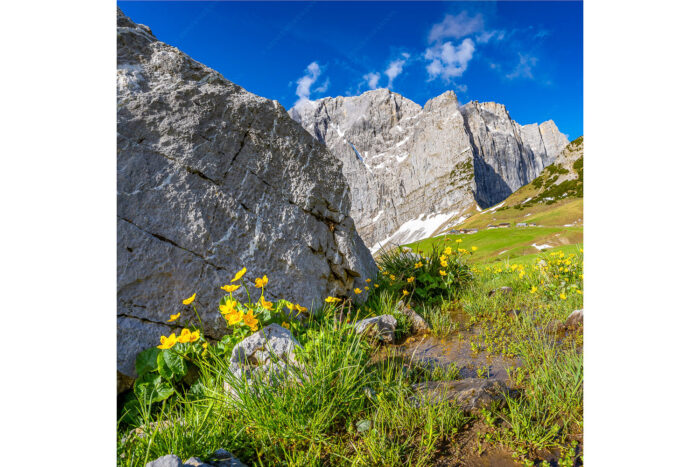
[(502, 291), (471, 393)]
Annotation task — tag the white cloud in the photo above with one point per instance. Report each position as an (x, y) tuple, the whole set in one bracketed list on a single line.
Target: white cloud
[(448, 61), (485, 36), (372, 80), (395, 68), (524, 68), (313, 71), (456, 27), (324, 86)]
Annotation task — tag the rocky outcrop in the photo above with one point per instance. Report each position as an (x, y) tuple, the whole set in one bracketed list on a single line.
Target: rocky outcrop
[(471, 394), (212, 178), (413, 169)]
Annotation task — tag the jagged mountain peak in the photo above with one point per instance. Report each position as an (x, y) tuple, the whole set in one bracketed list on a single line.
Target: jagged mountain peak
[(412, 168)]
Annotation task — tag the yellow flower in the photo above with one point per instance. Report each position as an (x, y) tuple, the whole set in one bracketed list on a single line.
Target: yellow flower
[(250, 320), (234, 317), (376, 286), (290, 306), (368, 280), (230, 288), (443, 264), (461, 250), (332, 299), (533, 289), (443, 273), (443, 258), (260, 282), (392, 277), (194, 337), (187, 301), (184, 336), (358, 291), (579, 291), (265, 304), (285, 325), (228, 306), (410, 279), (173, 317), (301, 309), (459, 240), (405, 292), (167, 342), (366, 288), (474, 248), (448, 250), (238, 275), (418, 265), (562, 296)]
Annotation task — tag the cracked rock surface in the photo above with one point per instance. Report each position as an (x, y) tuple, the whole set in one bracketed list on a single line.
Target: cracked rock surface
[(212, 178)]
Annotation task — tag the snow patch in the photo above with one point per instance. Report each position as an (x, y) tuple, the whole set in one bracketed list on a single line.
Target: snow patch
[(414, 230), (376, 218), (541, 247), (504, 251)]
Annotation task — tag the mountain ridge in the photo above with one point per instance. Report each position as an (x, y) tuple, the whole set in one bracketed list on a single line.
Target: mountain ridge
[(411, 168)]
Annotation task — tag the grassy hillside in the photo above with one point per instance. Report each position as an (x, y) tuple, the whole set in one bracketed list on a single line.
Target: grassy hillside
[(554, 198), (506, 243)]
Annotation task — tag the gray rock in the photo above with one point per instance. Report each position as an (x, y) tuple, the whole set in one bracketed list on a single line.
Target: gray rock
[(170, 460), (415, 171), (574, 319), (501, 290), (212, 178), (220, 458), (269, 353), (418, 324), (378, 327), (471, 394)]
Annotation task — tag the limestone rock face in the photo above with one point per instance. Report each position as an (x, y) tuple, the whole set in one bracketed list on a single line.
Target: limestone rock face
[(212, 178), (413, 170)]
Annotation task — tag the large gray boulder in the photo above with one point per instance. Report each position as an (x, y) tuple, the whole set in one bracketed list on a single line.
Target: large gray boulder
[(414, 171), (212, 178)]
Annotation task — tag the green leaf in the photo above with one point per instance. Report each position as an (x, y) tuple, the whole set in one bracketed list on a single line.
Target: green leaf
[(175, 362), (151, 388), (146, 361)]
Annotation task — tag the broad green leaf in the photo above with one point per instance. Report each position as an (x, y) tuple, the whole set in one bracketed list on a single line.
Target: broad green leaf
[(146, 361), (175, 362)]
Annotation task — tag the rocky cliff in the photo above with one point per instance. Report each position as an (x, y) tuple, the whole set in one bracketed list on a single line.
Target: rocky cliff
[(212, 178), (412, 169)]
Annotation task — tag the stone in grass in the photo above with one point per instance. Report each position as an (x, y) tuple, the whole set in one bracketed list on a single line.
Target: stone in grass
[(502, 291), (171, 460), (378, 327), (269, 352), (575, 319), (220, 458), (471, 394), (418, 324)]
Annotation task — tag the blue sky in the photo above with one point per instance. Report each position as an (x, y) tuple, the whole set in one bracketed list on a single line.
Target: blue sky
[(526, 55)]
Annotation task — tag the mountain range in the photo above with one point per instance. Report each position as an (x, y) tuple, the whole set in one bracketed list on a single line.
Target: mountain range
[(413, 169)]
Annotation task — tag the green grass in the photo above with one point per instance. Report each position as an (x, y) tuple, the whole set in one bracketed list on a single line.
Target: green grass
[(351, 402), (516, 241)]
